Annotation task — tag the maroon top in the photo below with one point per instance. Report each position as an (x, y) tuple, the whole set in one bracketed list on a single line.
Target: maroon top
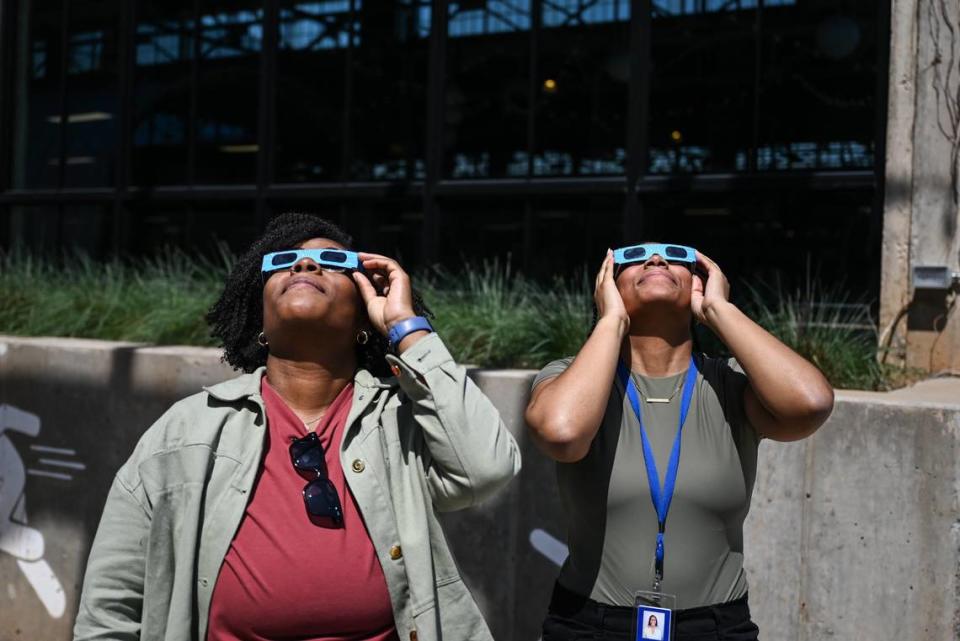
[(286, 578)]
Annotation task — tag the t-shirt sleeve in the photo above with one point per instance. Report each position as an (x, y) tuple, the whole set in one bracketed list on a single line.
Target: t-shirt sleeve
[(552, 370), (734, 383)]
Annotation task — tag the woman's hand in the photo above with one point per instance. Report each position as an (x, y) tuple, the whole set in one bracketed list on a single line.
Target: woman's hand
[(386, 291), (607, 296), (713, 294)]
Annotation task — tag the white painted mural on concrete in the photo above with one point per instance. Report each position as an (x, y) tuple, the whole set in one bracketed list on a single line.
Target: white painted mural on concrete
[(17, 538)]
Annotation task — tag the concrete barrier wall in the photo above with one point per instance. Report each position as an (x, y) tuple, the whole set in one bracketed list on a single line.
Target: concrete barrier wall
[(853, 534)]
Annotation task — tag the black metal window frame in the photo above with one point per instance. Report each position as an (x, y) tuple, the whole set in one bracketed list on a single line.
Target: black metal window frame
[(634, 185)]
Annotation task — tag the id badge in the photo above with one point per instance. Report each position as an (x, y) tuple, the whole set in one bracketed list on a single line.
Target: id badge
[(653, 616)]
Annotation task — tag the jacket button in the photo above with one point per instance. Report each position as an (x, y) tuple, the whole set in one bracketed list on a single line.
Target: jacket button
[(358, 466), (413, 635), (396, 552)]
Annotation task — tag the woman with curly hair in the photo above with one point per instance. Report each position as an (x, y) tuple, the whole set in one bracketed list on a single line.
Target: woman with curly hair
[(298, 500)]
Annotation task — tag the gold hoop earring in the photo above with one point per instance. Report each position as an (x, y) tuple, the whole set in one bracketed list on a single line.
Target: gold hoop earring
[(262, 340), (363, 337)]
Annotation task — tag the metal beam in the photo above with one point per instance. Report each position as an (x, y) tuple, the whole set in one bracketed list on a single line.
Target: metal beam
[(813, 181), (638, 108), (126, 69), (266, 126), (7, 35), (433, 147), (64, 62)]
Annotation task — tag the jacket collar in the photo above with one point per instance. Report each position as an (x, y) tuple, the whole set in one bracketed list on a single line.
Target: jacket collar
[(248, 385)]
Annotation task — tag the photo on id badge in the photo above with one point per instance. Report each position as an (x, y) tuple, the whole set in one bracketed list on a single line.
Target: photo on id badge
[(653, 624), (653, 616)]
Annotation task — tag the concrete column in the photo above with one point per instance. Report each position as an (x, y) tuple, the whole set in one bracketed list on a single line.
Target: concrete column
[(921, 214)]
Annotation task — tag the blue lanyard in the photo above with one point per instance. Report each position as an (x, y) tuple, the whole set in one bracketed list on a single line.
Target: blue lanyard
[(661, 499)]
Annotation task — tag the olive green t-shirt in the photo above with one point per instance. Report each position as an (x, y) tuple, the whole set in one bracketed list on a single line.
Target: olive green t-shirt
[(612, 522)]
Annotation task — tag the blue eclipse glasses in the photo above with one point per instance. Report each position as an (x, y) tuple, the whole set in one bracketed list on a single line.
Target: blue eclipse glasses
[(333, 260), (642, 253)]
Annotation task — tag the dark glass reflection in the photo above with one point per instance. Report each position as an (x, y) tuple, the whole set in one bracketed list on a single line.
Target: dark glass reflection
[(164, 43), (818, 77), (582, 88), (702, 92), (487, 89), (205, 228), (389, 226), (316, 49), (231, 38), (388, 100), (36, 97), (92, 94), (795, 236), (482, 231), (578, 230), (53, 230)]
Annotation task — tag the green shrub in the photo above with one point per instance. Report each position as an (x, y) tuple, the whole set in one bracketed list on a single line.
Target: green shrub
[(161, 300), (494, 317), (489, 315), (824, 326)]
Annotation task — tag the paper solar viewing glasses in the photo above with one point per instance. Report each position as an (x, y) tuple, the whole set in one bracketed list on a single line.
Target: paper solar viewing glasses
[(333, 260), (342, 260), (642, 253)]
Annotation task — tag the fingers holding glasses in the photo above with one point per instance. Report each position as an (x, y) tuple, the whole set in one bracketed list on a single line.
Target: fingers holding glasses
[(385, 289), (606, 295)]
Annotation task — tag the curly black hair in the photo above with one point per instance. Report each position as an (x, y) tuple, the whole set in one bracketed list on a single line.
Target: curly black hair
[(236, 319)]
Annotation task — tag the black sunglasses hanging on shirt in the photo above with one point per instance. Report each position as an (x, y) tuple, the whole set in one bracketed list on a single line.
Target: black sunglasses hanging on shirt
[(319, 495)]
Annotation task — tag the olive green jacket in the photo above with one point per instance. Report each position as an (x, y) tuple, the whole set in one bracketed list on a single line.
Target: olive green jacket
[(427, 440)]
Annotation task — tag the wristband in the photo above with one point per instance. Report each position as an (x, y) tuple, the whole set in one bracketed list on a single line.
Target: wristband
[(400, 330)]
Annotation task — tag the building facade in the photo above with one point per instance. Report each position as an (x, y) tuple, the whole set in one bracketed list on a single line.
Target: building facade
[(540, 130)]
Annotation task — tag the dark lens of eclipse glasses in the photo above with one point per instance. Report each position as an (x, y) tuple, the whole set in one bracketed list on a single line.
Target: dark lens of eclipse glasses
[(284, 258), (676, 252), (333, 257)]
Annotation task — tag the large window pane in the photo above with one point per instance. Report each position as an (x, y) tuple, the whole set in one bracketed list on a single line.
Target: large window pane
[(53, 230), (480, 230), (701, 105), (583, 86), (388, 102), (231, 35), (223, 40), (202, 227), (785, 236), (819, 76), (163, 58), (572, 235), (389, 226), (92, 93), (316, 40), (36, 125), (487, 89)]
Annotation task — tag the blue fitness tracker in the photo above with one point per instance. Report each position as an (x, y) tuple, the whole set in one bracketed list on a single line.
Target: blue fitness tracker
[(405, 327)]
